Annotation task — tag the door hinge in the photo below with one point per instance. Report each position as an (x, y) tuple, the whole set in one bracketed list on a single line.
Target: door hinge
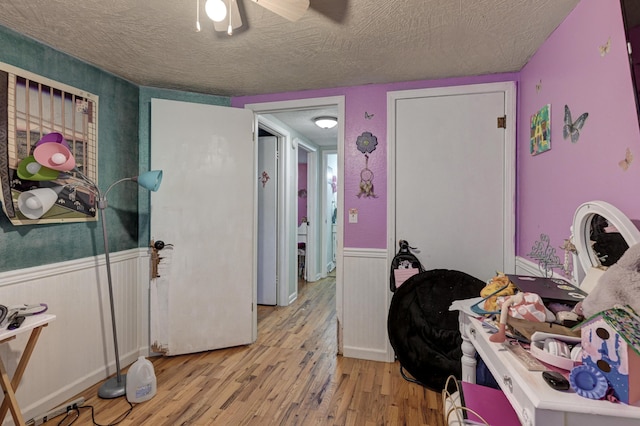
[(502, 122)]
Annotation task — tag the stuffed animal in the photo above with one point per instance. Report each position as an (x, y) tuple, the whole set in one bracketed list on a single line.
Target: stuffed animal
[(618, 285), (498, 286)]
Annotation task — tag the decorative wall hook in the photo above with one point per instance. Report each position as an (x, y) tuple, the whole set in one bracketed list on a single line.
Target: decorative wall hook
[(366, 144), (264, 178)]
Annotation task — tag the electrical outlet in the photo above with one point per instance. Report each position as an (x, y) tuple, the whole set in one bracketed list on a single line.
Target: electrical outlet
[(64, 408)]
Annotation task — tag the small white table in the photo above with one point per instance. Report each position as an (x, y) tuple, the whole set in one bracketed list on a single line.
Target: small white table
[(34, 324), (533, 400)]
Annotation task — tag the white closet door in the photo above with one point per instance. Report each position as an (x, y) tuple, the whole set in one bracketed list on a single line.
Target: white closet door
[(450, 180), (267, 220), (206, 209)]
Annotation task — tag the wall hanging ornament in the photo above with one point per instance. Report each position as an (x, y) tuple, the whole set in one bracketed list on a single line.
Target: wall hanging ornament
[(264, 178), (366, 144), (545, 254), (628, 158), (605, 48), (572, 128)]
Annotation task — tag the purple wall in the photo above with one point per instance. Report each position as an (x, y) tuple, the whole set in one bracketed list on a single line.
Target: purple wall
[(371, 229), (569, 69)]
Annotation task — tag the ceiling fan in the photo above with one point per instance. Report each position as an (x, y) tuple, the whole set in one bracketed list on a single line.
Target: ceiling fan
[(225, 14)]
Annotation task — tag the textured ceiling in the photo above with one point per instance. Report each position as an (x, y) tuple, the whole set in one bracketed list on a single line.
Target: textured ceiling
[(336, 43)]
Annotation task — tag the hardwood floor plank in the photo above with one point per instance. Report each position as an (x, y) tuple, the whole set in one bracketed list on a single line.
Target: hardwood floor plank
[(290, 376)]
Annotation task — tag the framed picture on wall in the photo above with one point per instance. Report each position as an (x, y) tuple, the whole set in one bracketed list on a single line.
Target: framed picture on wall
[(32, 106), (541, 131)]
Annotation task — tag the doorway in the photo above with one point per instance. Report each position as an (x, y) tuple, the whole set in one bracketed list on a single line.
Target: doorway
[(275, 115)]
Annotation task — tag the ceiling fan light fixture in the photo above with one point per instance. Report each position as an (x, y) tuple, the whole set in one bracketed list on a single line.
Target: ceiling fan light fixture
[(326, 122), (216, 10)]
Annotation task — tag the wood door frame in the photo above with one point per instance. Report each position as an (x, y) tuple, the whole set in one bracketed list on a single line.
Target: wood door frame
[(509, 89), (283, 265)]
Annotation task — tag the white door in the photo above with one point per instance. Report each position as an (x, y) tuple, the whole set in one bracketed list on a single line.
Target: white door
[(205, 208), (267, 219), (453, 184)]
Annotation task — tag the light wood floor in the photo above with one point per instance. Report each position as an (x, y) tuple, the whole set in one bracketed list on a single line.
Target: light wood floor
[(290, 376)]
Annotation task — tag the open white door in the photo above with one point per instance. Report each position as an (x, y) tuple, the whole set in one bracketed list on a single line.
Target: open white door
[(206, 210)]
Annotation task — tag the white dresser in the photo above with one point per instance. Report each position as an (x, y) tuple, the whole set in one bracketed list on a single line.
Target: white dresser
[(535, 402)]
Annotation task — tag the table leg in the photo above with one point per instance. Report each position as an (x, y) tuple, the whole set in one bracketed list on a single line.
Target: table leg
[(468, 351), (9, 387)]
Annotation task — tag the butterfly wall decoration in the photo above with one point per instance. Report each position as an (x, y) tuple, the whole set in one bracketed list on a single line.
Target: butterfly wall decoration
[(628, 158), (571, 129), (539, 86), (604, 49), (368, 116)]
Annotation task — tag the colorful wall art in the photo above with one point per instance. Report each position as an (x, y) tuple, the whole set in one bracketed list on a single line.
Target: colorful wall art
[(541, 130)]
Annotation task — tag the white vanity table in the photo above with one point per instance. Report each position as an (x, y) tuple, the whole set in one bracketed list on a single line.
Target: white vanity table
[(532, 399)]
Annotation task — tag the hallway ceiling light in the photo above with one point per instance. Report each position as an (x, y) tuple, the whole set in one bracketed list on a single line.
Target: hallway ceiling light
[(326, 122)]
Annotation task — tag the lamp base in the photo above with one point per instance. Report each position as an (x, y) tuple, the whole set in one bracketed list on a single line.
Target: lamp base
[(112, 388)]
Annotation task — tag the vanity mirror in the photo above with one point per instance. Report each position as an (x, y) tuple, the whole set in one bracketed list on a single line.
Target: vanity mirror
[(631, 18), (601, 233)]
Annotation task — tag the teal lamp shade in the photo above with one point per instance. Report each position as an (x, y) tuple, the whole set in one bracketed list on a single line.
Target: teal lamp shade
[(150, 180)]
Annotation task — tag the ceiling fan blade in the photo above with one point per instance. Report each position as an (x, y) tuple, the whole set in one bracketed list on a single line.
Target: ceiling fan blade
[(288, 9), (234, 13)]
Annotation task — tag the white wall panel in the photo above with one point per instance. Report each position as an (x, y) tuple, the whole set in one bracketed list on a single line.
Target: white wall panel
[(74, 350), (366, 299)]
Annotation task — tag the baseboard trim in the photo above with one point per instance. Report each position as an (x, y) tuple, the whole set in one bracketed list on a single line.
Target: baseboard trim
[(365, 353)]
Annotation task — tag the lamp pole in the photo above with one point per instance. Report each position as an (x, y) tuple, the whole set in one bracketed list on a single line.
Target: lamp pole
[(115, 386)]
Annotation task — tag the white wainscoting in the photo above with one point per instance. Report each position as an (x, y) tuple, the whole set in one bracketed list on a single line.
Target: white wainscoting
[(366, 299), (73, 351), (527, 267)]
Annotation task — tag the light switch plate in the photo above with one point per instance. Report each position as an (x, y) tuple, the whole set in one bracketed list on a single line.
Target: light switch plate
[(353, 215)]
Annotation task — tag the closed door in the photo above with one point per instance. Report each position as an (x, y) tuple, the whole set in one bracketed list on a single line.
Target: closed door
[(267, 220), (453, 188), (206, 209)]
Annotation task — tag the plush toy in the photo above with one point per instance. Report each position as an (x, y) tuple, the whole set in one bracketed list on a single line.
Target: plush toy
[(498, 286), (618, 285)]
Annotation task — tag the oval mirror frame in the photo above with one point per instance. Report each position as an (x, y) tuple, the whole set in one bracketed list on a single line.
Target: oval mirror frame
[(581, 230)]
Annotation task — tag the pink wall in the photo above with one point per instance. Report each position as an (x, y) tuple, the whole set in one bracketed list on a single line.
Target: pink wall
[(371, 229), (569, 69), (302, 184)]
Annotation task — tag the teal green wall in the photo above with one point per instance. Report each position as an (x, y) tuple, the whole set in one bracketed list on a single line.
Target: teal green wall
[(146, 94), (33, 245), (123, 151)]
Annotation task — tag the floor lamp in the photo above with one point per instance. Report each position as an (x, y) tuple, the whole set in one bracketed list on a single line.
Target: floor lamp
[(52, 154)]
